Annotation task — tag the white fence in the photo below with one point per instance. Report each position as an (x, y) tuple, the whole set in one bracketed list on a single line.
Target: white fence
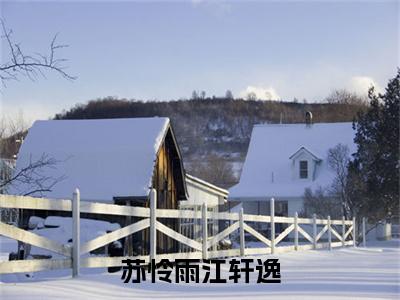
[(205, 248)]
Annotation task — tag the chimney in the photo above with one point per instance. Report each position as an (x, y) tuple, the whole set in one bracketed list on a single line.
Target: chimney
[(309, 119)]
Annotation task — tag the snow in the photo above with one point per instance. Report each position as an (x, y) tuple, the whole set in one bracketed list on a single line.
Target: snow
[(89, 229), (7, 246), (347, 273), (59, 229), (103, 158), (36, 222), (268, 170)]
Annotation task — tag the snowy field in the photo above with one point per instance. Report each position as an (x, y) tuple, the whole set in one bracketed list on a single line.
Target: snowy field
[(371, 273)]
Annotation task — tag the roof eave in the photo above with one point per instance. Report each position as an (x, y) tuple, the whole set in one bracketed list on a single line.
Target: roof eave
[(169, 127), (214, 188)]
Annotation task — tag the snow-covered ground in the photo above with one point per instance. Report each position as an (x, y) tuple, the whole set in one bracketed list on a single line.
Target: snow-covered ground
[(349, 273), (58, 229)]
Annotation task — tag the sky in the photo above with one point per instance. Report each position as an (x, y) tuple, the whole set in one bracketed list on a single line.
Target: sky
[(164, 50)]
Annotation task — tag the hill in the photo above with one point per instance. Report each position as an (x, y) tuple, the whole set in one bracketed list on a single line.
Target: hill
[(212, 129)]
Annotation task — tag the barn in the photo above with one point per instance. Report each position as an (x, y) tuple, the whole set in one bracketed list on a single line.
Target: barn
[(113, 161)]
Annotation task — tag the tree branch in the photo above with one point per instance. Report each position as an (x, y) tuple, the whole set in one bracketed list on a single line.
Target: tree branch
[(31, 66), (31, 179)]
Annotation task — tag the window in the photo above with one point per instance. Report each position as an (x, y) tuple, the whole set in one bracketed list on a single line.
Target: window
[(303, 169)]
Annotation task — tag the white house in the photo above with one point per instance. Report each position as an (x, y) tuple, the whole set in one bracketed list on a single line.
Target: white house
[(285, 159)]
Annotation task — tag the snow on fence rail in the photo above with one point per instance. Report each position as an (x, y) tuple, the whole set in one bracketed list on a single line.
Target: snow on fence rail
[(73, 253)]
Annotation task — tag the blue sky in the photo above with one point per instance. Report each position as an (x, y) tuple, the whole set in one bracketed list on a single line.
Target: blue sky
[(165, 50)]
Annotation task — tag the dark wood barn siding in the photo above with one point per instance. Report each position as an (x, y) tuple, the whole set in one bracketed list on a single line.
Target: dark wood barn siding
[(167, 175)]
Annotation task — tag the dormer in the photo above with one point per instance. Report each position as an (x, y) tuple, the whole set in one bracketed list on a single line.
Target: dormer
[(304, 164)]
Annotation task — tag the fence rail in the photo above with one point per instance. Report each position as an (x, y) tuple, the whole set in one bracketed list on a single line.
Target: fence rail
[(204, 248)]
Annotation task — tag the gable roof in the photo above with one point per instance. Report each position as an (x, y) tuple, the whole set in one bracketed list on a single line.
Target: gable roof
[(104, 158), (207, 186), (267, 171), (305, 150)]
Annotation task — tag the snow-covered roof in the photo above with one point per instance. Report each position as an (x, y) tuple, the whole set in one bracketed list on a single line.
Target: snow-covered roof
[(268, 169), (304, 150), (206, 185), (103, 158)]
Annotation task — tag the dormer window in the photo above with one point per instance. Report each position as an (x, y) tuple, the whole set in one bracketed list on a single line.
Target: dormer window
[(303, 169), (304, 164)]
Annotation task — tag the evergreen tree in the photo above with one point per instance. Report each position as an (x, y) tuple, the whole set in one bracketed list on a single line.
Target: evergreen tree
[(376, 162)]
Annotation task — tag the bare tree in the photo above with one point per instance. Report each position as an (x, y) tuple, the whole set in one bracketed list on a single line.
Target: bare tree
[(30, 65), (338, 161), (215, 170), (345, 97), (32, 179), (229, 94), (321, 203), (334, 199), (12, 133), (195, 95), (251, 96)]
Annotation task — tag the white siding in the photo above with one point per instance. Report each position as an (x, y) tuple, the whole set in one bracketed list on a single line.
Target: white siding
[(294, 204), (199, 195), (200, 192)]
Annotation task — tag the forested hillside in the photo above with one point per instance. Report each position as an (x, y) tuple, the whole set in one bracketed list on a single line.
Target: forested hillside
[(212, 128)]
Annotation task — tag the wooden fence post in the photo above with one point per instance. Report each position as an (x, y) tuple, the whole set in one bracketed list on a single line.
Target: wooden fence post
[(343, 231), (153, 229), (329, 234), (314, 231), (272, 213), (364, 240), (241, 231), (76, 233), (354, 233), (296, 231), (205, 230)]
